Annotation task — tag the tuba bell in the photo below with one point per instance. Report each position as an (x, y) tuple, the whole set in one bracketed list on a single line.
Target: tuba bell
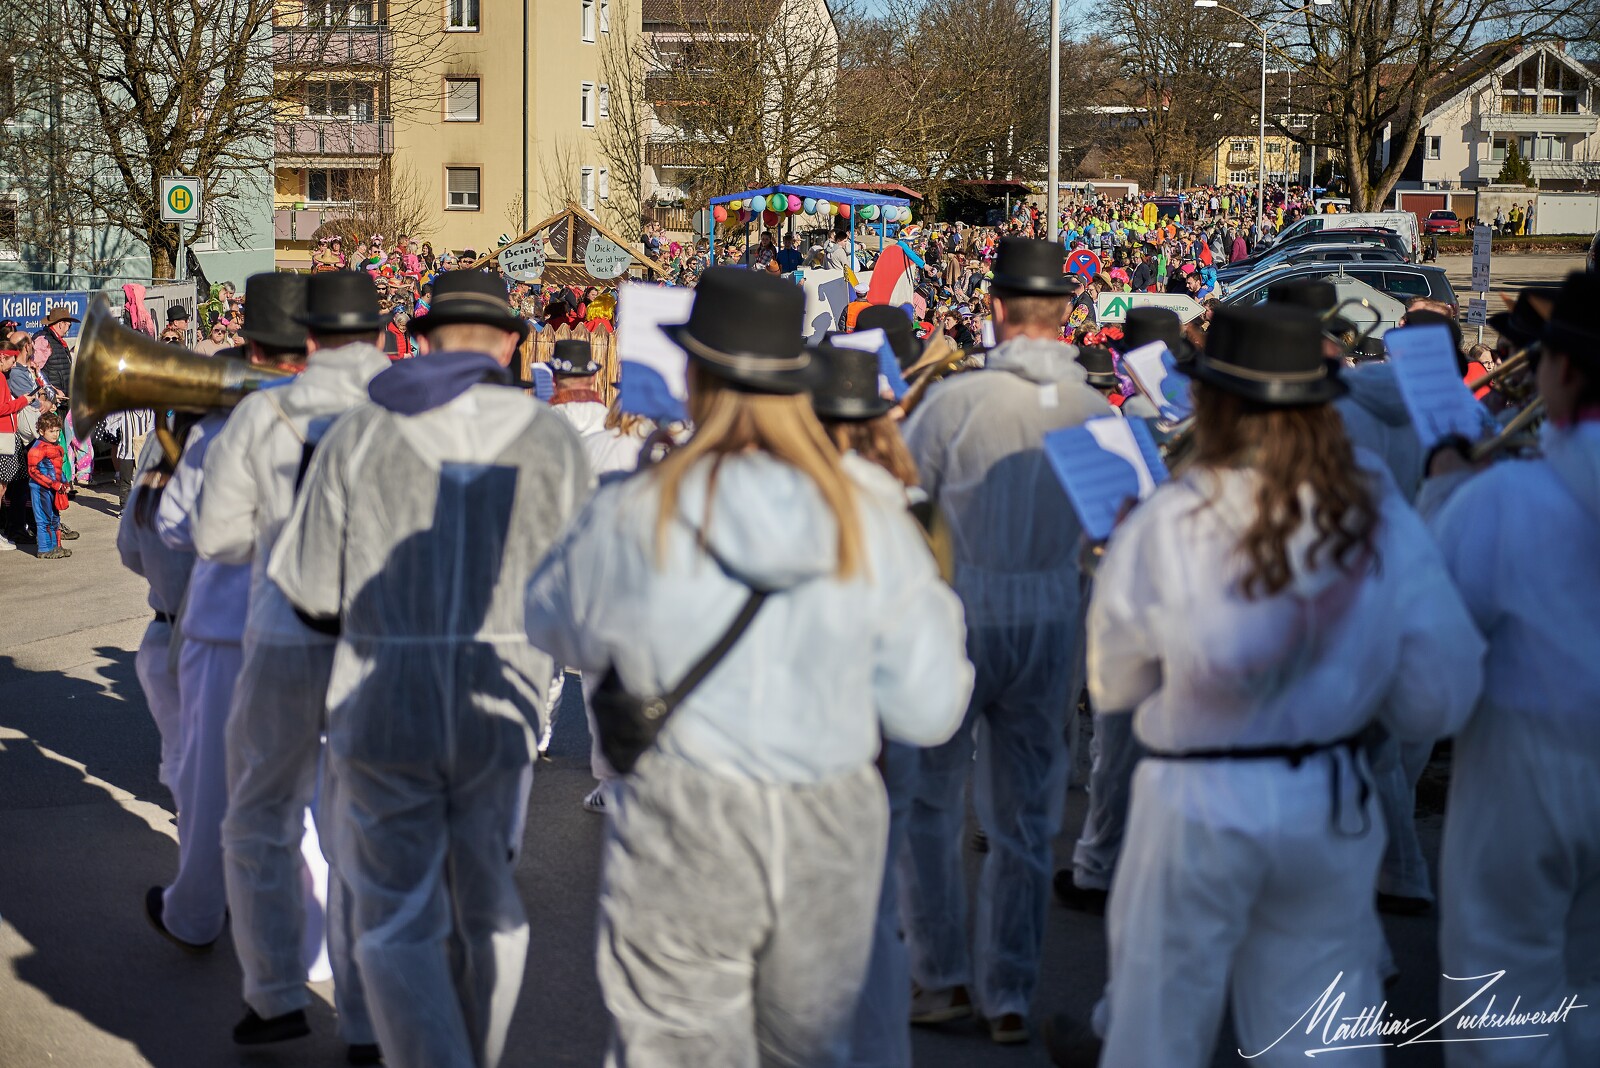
[(118, 370)]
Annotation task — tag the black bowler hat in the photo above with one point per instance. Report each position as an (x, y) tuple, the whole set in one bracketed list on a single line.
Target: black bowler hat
[(341, 302), (273, 306), (469, 297), (1270, 354), (572, 358), (1145, 325), (1098, 366), (1314, 295), (845, 384), (745, 328), (1574, 325), (177, 313), (1030, 266), (1524, 321), (895, 323)]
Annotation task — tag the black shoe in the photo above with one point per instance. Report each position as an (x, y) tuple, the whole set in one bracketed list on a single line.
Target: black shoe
[(363, 1053), (980, 841), (153, 906), (254, 1031), (1069, 1043), (68, 534), (1076, 897), (1396, 905)]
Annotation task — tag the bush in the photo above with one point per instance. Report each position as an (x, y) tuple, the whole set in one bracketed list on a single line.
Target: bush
[(1515, 170)]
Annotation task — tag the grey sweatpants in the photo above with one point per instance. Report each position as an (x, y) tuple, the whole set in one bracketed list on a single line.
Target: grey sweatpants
[(736, 917)]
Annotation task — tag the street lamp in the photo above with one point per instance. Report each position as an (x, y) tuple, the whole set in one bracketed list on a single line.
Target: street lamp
[(1261, 128)]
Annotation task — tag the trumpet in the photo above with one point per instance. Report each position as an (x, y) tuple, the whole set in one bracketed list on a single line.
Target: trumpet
[(119, 370)]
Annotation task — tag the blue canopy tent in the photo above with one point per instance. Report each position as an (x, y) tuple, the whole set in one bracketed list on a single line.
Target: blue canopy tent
[(833, 194)]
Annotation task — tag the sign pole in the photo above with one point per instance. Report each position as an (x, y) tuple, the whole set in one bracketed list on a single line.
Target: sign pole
[(1482, 247)]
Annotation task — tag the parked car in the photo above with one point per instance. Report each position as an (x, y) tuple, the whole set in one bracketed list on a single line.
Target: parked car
[(1312, 252), (1400, 281), (1403, 223), (1441, 222), (1372, 236), (1370, 310)]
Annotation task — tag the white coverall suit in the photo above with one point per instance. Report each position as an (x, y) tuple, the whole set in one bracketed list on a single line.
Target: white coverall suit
[(274, 735), (1519, 870), (419, 533), (744, 852), (1244, 878), (1377, 421), (212, 626), (977, 440), (167, 570)]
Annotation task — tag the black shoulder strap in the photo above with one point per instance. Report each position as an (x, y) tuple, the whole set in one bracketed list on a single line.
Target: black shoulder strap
[(708, 663)]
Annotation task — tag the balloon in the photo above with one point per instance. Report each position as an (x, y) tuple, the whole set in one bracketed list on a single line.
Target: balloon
[(793, 204), (777, 202), (824, 207), (719, 213), (744, 216), (844, 211), (869, 212), (769, 217), (810, 205)]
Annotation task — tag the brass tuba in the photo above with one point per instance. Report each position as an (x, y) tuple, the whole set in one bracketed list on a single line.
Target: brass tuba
[(118, 370)]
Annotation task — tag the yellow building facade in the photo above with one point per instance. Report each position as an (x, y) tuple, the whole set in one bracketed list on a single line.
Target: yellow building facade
[(1234, 162), (456, 120)]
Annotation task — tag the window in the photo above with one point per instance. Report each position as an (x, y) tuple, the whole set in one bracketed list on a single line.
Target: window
[(461, 100), (1435, 144), (351, 101), (1501, 145), (1238, 177), (605, 16), (461, 189), (588, 20), (9, 205), (461, 15), (605, 183), (330, 186), (588, 188), (586, 111), (339, 12), (1239, 146), (605, 101)]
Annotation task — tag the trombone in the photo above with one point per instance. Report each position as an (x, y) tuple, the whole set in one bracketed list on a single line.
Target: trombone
[(1520, 432)]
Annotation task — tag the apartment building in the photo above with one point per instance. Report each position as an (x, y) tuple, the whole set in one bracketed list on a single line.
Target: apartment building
[(471, 118)]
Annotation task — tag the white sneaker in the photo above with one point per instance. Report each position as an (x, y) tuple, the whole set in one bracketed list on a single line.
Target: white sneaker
[(6, 543), (596, 801)]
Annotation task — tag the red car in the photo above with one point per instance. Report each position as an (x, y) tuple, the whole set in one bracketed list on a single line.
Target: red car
[(1441, 222)]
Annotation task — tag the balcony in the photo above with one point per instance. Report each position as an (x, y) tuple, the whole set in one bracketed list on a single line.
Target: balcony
[(1546, 169), (331, 47), (1539, 122), (301, 224), (334, 137), (669, 154), (1238, 160)]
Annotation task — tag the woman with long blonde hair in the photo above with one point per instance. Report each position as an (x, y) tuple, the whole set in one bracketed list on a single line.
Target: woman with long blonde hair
[(746, 846), (1255, 616)]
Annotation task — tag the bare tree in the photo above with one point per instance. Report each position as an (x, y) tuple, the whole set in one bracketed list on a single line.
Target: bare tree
[(623, 129), (388, 201), (747, 90), (1373, 68), (179, 87)]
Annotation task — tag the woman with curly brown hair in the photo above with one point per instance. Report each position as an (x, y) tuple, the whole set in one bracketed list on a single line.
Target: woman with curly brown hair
[(1256, 616)]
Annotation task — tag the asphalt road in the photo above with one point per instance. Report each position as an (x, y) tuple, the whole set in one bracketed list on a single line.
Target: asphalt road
[(1509, 273), (85, 828)]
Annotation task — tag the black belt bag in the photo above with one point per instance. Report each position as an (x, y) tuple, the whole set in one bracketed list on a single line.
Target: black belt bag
[(629, 724)]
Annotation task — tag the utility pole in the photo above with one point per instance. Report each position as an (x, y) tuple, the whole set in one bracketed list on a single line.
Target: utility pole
[(1053, 194)]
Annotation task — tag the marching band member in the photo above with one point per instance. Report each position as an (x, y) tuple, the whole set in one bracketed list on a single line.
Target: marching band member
[(420, 520), (1256, 614), (274, 732), (977, 440), (167, 571), (745, 850), (192, 910), (1519, 869)]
